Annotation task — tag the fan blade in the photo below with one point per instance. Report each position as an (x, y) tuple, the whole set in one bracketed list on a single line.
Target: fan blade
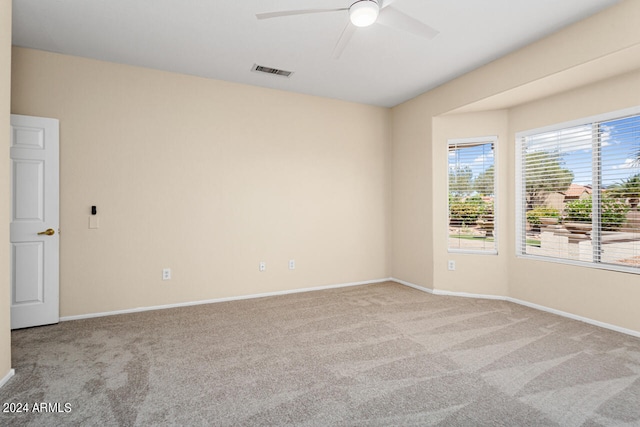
[(384, 3), (391, 17), (344, 39), (296, 12)]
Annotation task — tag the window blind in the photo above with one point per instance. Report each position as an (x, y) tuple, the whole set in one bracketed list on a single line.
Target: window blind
[(471, 194), (578, 193)]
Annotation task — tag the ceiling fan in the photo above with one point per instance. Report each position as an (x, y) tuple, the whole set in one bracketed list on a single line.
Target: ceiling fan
[(363, 13)]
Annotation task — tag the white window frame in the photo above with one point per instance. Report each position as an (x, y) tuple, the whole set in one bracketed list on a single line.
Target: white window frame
[(520, 232), (492, 139)]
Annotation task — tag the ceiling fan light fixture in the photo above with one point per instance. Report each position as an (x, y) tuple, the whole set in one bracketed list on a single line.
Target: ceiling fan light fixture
[(364, 13)]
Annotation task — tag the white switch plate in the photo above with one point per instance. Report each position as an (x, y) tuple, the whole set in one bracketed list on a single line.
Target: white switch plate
[(166, 274), (262, 266), (292, 264), (94, 221)]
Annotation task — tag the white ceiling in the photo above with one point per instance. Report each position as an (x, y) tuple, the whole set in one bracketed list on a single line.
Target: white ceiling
[(223, 39)]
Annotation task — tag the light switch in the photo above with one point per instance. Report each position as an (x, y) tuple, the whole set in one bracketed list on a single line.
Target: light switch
[(94, 221)]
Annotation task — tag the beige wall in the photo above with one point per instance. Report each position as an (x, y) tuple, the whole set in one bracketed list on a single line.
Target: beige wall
[(488, 271), (208, 178), (601, 295), (411, 215), (526, 89), (5, 85)]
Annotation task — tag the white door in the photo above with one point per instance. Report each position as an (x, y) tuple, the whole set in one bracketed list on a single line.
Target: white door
[(35, 242)]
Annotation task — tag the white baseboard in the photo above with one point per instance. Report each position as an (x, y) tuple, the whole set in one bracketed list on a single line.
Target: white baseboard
[(344, 285), (412, 285), (576, 317), (7, 377), (448, 293), (524, 303), (216, 300)]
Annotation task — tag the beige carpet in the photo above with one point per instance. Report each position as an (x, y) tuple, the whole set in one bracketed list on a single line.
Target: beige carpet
[(376, 355)]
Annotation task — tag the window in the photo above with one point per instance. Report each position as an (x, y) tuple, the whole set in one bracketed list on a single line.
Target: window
[(472, 185), (578, 191)]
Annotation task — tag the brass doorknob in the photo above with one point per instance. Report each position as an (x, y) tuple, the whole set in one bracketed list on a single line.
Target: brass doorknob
[(48, 232)]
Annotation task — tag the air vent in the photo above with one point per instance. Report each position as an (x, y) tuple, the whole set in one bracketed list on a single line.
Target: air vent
[(269, 70)]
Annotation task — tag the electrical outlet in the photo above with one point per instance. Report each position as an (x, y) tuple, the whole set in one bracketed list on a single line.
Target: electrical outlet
[(452, 265), (292, 264), (166, 274), (262, 266)]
